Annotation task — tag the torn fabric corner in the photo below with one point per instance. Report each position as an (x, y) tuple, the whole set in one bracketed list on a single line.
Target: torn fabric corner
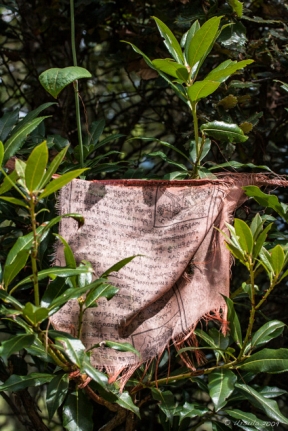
[(182, 269)]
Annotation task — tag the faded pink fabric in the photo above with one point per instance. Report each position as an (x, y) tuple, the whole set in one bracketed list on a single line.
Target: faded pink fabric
[(181, 273)]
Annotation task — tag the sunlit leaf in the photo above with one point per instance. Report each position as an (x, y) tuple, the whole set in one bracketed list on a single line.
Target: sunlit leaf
[(224, 131), (55, 80), (267, 361), (15, 344), (221, 385), (201, 89), (170, 41), (77, 412), (56, 393), (36, 166)]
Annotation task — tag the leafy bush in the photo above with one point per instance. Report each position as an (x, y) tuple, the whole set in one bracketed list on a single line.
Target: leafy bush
[(228, 391)]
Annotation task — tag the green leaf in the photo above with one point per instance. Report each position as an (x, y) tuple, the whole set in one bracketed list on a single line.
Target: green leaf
[(284, 86), (53, 272), (191, 411), (236, 165), (15, 344), (247, 419), (237, 7), (221, 385), (205, 150), (260, 240), (170, 41), (17, 383), (104, 290), (201, 42), (8, 299), (54, 165), (244, 235), (71, 293), (270, 407), (178, 89), (31, 115), (14, 201), (271, 391), (7, 122), (167, 160), (234, 324), (117, 266), (268, 201), (15, 141), (12, 270), (125, 401), (77, 412), (35, 314), (224, 131), (168, 66), (73, 348), (188, 36), (95, 374), (55, 289), (226, 69), (22, 243), (1, 153), (97, 128), (267, 332), (60, 182), (267, 361), (277, 259), (122, 347), (201, 89), (69, 258), (55, 80), (6, 185), (36, 166), (56, 393), (39, 350)]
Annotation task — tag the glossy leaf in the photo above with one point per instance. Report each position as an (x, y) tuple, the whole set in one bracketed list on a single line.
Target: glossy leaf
[(36, 166), (224, 131), (95, 374), (15, 344), (234, 324), (271, 391), (201, 89), (71, 293), (178, 91), (15, 142), (14, 201), (85, 278), (260, 240), (35, 314), (267, 361), (270, 201), (6, 185), (8, 299), (167, 160), (205, 148), (188, 36), (97, 128), (236, 165), (7, 122), (226, 69), (237, 7), (189, 410), (56, 393), (277, 259), (73, 348), (117, 266), (40, 351), (267, 332), (22, 243), (176, 70), (60, 182), (125, 401), (77, 412), (103, 290), (16, 383), (170, 41), (244, 235), (221, 385), (12, 270), (1, 153), (55, 80), (31, 116), (53, 272), (54, 165), (201, 42), (55, 289), (270, 407), (122, 347), (247, 419)]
